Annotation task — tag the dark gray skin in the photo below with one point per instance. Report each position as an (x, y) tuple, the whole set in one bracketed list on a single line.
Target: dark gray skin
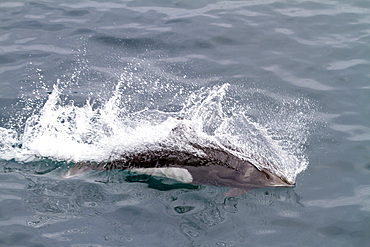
[(217, 168)]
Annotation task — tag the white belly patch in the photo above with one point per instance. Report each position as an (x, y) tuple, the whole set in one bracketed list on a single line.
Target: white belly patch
[(176, 173)]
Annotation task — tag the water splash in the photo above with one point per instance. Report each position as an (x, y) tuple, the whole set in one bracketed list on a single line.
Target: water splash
[(272, 138)]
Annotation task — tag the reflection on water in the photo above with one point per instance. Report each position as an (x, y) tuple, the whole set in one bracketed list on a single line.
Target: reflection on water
[(66, 210), (69, 210)]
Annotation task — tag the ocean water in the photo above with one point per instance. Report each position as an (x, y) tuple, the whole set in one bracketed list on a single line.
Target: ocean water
[(284, 84)]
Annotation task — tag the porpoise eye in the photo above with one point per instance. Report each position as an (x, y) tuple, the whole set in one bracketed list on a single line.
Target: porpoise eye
[(266, 174)]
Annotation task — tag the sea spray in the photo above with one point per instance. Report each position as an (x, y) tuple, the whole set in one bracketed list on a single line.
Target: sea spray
[(272, 138)]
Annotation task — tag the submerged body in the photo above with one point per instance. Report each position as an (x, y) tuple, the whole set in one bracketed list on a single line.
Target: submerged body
[(216, 167)]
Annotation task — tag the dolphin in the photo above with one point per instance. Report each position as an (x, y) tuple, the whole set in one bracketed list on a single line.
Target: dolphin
[(216, 167)]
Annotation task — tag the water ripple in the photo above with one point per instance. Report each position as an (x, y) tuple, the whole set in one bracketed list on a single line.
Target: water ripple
[(300, 82), (11, 4), (333, 8), (355, 132), (339, 65), (361, 198), (36, 47)]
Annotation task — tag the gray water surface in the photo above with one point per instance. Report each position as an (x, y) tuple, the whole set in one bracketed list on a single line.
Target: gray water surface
[(270, 52)]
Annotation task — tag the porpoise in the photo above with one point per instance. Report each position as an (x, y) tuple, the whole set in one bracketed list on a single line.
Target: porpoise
[(216, 167)]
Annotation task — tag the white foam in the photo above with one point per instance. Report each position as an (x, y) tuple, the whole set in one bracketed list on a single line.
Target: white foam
[(63, 131)]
